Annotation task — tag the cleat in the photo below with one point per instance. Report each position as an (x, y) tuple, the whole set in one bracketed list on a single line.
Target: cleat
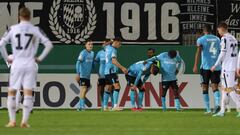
[(208, 112), (216, 109), (24, 125), (140, 109), (179, 110), (106, 109), (219, 114), (116, 109), (11, 125), (134, 109)]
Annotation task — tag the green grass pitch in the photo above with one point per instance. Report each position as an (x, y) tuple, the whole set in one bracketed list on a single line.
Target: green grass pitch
[(148, 122)]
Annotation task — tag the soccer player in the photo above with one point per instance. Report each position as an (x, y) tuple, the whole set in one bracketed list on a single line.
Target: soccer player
[(135, 72), (208, 46), (170, 63), (228, 58), (100, 58), (110, 72), (84, 67), (24, 39)]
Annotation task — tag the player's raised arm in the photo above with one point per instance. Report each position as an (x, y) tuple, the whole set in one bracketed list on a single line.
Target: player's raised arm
[(47, 44)]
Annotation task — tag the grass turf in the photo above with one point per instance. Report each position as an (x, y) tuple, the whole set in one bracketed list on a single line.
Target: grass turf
[(149, 122)]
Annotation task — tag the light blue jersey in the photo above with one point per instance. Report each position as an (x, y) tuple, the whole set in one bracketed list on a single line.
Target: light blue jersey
[(138, 70), (84, 64), (100, 58), (210, 45), (111, 52), (168, 66)]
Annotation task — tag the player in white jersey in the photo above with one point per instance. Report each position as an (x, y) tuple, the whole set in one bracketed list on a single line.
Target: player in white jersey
[(24, 39), (228, 58)]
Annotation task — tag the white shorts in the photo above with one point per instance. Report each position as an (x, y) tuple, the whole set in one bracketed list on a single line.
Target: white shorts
[(23, 78), (228, 79)]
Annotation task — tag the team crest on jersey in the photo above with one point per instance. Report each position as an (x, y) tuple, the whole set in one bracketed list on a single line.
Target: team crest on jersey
[(72, 21)]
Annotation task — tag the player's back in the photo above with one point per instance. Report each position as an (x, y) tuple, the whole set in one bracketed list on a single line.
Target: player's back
[(138, 67), (24, 39), (110, 52), (229, 44), (101, 59), (210, 50)]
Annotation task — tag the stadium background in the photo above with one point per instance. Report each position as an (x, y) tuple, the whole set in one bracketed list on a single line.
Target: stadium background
[(176, 25)]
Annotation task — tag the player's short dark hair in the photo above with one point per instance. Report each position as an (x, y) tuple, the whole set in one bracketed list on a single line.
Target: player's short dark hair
[(88, 40), (172, 53), (223, 25), (207, 28), (155, 69), (151, 49), (24, 12)]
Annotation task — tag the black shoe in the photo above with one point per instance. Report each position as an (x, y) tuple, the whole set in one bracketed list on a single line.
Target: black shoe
[(216, 109)]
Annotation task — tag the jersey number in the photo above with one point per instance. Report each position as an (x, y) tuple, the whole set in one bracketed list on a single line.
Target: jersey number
[(234, 53), (18, 36), (212, 49)]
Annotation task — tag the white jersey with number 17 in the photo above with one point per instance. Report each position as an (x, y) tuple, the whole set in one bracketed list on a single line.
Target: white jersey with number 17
[(229, 45)]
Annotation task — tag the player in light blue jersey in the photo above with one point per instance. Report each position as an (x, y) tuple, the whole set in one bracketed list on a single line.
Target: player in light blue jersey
[(110, 72), (134, 80), (170, 63), (84, 67), (101, 59), (209, 47)]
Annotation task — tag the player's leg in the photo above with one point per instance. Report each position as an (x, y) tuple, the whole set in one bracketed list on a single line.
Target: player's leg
[(130, 82), (140, 95), (107, 91), (11, 105), (205, 76), (226, 89), (15, 80), (28, 83), (101, 85), (227, 103), (165, 87), (116, 90), (215, 80), (83, 91), (176, 95)]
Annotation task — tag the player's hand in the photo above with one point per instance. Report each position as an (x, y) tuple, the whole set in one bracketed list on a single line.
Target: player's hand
[(213, 68), (238, 71), (10, 59), (77, 78), (195, 69), (124, 70), (143, 87), (37, 60)]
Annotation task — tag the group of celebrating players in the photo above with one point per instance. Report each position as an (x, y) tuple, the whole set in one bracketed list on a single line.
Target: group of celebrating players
[(108, 82), (219, 58)]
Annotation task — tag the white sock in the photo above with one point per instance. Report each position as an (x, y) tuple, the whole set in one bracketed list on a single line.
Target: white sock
[(18, 100), (11, 105), (27, 107), (223, 101)]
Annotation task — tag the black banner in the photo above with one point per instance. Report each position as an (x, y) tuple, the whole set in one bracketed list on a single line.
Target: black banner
[(230, 13), (196, 13), (75, 21)]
